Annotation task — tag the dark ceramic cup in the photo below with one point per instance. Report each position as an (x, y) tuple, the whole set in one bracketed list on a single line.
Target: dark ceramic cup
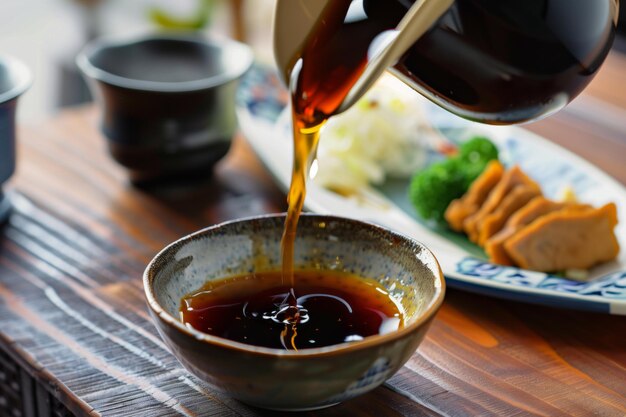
[(15, 78), (168, 101)]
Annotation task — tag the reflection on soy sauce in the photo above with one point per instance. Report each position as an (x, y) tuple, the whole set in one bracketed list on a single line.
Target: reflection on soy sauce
[(334, 308)]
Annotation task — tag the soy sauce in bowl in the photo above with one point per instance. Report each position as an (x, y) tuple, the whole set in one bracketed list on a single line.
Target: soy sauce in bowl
[(332, 308)]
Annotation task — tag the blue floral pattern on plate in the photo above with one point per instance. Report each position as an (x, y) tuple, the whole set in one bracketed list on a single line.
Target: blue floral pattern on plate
[(610, 286)]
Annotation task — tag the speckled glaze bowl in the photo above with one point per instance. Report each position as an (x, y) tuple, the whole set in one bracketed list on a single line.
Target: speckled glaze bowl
[(309, 378)]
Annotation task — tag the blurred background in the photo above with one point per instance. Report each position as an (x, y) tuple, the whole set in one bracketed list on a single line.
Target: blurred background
[(47, 35)]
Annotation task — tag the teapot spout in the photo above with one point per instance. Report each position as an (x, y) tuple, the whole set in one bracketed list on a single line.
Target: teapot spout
[(389, 46), (295, 19)]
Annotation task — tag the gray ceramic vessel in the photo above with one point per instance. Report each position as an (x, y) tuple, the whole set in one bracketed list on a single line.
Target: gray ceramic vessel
[(168, 101), (309, 378), (15, 78)]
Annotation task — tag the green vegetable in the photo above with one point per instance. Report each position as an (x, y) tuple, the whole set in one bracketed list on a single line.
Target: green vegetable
[(478, 149), (432, 189)]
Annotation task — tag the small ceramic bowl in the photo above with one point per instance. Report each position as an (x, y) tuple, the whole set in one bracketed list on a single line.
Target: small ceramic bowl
[(309, 378), (168, 101)]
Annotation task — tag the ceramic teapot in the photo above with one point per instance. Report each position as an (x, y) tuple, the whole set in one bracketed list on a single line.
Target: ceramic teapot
[(492, 61)]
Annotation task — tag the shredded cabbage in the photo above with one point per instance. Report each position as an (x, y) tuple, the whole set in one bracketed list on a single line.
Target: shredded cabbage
[(382, 136)]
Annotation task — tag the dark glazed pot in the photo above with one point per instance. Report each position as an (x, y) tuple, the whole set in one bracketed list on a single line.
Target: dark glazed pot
[(168, 101), (15, 78)]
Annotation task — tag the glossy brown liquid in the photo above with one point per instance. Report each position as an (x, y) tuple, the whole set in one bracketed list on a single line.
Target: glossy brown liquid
[(324, 73), (334, 308)]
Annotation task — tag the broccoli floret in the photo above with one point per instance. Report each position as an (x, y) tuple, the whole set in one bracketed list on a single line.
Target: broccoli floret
[(432, 189), (474, 155), (478, 150)]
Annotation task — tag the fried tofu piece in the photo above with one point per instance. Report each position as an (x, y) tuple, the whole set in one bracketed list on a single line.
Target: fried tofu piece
[(515, 200), (511, 179), (537, 207), (566, 239), (470, 203)]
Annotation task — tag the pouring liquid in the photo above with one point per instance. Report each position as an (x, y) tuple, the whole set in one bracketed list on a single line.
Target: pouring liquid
[(322, 76), (323, 73)]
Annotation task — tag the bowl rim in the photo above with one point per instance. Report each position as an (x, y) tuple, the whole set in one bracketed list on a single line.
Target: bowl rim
[(88, 68), (24, 78), (166, 318)]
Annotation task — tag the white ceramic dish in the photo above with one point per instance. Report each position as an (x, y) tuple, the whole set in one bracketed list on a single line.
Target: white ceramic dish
[(464, 265)]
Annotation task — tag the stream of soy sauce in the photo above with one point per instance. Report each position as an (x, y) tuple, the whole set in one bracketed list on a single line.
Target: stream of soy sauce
[(332, 60)]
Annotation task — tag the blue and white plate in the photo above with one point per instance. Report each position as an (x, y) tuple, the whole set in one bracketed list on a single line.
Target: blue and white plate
[(262, 100)]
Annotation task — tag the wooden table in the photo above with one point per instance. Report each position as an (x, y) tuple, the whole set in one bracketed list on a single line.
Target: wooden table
[(75, 336)]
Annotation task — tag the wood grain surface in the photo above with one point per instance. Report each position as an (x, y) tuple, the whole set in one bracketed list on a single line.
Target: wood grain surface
[(72, 310)]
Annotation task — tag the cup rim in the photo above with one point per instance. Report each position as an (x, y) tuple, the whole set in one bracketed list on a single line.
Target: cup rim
[(166, 318), (24, 78), (244, 62)]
